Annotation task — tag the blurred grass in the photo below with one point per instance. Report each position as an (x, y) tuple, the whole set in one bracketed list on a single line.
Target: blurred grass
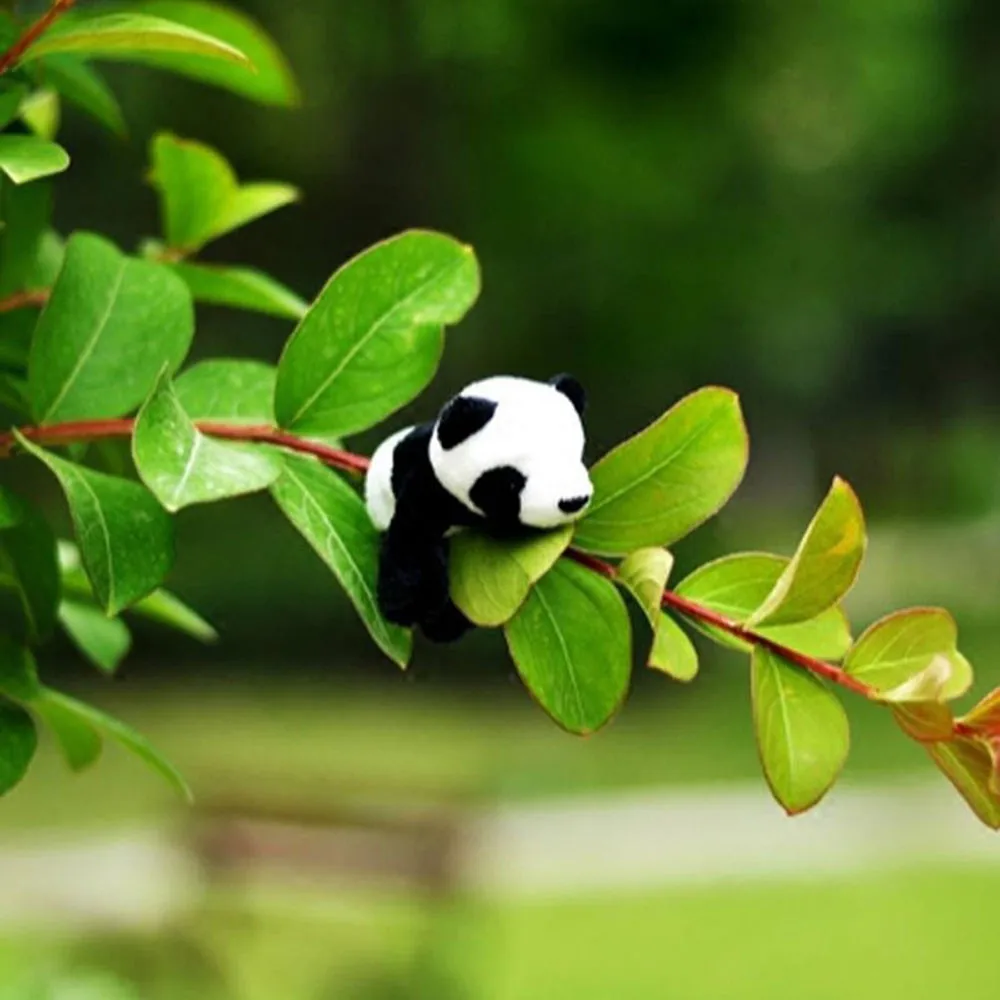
[(921, 935)]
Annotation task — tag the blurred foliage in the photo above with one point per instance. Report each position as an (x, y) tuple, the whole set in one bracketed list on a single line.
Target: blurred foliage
[(795, 200)]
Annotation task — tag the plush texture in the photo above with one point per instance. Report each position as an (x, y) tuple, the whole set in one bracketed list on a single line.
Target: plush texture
[(505, 455)]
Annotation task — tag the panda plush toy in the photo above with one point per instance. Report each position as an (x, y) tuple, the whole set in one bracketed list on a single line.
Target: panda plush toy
[(504, 455)]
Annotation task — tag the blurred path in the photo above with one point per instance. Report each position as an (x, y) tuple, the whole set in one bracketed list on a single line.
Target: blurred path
[(611, 843)]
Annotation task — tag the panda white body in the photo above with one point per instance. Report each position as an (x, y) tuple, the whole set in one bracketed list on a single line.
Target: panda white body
[(505, 454)]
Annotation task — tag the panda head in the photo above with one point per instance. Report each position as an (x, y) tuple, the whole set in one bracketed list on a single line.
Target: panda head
[(511, 450)]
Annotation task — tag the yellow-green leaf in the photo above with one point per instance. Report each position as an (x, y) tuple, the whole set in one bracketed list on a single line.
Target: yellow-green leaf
[(735, 586), (968, 764), (673, 653), (802, 731), (825, 565), (915, 647), (490, 578)]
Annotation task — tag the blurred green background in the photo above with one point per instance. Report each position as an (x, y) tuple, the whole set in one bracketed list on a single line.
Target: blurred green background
[(799, 200)]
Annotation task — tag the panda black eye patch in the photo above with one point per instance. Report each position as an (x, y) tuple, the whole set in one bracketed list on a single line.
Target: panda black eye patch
[(497, 494), (463, 417)]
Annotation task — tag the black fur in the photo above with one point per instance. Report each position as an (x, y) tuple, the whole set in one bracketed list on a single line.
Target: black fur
[(461, 418), (413, 560), (497, 494), (571, 389)]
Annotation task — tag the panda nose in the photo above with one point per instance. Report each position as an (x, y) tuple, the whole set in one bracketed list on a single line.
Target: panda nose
[(572, 504)]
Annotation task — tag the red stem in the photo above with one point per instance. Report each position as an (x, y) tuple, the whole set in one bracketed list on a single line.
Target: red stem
[(23, 300), (90, 430), (15, 53)]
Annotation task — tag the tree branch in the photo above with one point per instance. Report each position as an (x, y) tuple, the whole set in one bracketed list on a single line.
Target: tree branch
[(93, 430), (32, 33)]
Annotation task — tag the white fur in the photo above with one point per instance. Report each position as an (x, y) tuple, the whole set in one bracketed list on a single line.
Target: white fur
[(536, 430), (379, 498)]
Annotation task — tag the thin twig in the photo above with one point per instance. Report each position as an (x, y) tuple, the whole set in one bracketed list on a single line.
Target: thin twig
[(24, 300), (32, 33)]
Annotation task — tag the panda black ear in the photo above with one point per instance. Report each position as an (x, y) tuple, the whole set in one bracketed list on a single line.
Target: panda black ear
[(461, 418), (572, 390)]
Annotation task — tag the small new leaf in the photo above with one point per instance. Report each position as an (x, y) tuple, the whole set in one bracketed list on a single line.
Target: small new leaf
[(126, 538), (182, 466), (663, 483), (373, 338), (673, 653), (571, 643), (102, 640), (913, 652), (25, 158), (201, 198), (491, 578), (825, 565), (802, 731), (79, 741), (644, 573), (924, 721), (333, 520), (986, 715)]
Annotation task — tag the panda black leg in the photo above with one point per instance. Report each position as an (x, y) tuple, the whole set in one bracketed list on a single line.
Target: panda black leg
[(447, 624), (402, 577)]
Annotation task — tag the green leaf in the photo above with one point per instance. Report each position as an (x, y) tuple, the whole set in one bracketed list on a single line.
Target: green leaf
[(129, 38), (673, 652), (82, 85), (80, 742), (102, 640), (825, 565), (926, 721), (18, 743), (373, 339), (182, 466), (661, 484), (644, 574), (241, 288), (735, 586), (12, 508), (228, 389), (18, 671), (11, 97), (490, 578), (968, 764), (571, 642), (906, 645), (125, 537), (269, 80), (42, 113), (200, 197), (110, 328), (161, 606), (29, 566), (122, 734), (802, 732), (26, 158), (333, 520), (26, 214)]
